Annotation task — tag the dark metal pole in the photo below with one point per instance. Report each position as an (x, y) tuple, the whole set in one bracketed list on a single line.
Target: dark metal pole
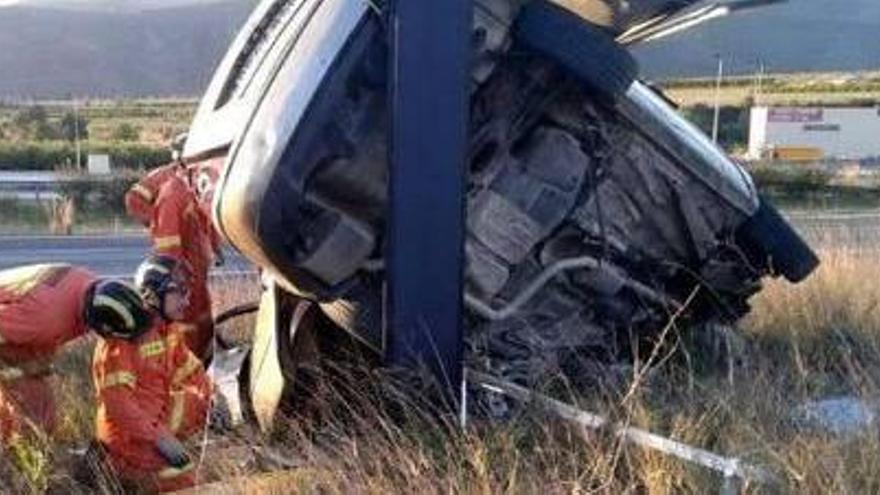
[(429, 107)]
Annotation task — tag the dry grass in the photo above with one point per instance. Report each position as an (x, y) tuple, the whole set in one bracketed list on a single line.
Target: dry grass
[(814, 340), (61, 214)]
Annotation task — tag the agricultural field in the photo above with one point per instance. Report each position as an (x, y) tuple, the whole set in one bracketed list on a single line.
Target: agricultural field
[(778, 89), (148, 122)]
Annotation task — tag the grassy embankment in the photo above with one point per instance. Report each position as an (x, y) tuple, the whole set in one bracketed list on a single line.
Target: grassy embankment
[(814, 340)]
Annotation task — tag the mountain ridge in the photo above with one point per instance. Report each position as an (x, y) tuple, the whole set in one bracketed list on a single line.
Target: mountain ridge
[(50, 53), (55, 53)]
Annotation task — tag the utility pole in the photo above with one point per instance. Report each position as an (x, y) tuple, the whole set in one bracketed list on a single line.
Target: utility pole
[(717, 98), (76, 134), (760, 80)]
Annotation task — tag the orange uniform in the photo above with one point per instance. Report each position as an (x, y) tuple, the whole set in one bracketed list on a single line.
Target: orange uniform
[(141, 197), (41, 309), (182, 230), (149, 389)]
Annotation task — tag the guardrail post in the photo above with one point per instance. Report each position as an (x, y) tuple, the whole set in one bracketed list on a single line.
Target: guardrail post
[(429, 67)]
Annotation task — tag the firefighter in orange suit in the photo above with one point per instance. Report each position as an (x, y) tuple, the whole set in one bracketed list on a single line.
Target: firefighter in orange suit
[(182, 230), (42, 307), (141, 197), (152, 391)]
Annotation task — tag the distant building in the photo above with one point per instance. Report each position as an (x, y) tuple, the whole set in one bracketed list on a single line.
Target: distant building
[(810, 133)]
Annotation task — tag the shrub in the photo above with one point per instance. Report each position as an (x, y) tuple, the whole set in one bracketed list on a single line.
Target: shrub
[(35, 156), (126, 132), (733, 123), (791, 178), (51, 155), (73, 126), (105, 192), (31, 115), (133, 156)]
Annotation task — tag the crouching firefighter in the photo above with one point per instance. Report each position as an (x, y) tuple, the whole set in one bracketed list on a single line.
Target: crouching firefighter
[(43, 307), (153, 393)]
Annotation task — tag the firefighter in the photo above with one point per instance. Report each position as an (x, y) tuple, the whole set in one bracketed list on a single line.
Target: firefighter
[(153, 392), (43, 307), (141, 197), (181, 229)]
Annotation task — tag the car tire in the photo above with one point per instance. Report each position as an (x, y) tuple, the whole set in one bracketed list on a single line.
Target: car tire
[(585, 49), (769, 239)]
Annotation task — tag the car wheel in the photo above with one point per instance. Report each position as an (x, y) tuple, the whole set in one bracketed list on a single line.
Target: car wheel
[(770, 240), (583, 48)]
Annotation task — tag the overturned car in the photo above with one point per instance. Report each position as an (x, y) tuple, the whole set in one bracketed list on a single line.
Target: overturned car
[(594, 211)]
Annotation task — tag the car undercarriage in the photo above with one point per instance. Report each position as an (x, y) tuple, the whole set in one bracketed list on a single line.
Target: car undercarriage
[(595, 215)]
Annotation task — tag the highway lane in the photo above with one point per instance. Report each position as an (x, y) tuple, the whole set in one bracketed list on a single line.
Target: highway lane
[(106, 255), (119, 255), (855, 229)]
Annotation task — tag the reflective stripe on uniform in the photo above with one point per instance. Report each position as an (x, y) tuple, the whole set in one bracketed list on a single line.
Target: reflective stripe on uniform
[(22, 280), (10, 374), (175, 421), (168, 242), (151, 349), (143, 192), (187, 327), (125, 378), (118, 307), (32, 368), (191, 366), (174, 338), (173, 472)]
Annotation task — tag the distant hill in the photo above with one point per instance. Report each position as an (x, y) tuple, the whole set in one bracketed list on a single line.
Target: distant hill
[(53, 53), (137, 48), (797, 36)]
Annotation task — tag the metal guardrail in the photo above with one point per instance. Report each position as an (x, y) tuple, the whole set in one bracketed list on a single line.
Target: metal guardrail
[(734, 471), (28, 185), (40, 185)]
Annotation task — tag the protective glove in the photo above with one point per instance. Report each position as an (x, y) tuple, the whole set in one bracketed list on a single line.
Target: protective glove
[(172, 451)]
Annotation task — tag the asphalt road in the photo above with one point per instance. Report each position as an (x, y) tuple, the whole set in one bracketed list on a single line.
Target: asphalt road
[(120, 255), (858, 229), (106, 255)]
